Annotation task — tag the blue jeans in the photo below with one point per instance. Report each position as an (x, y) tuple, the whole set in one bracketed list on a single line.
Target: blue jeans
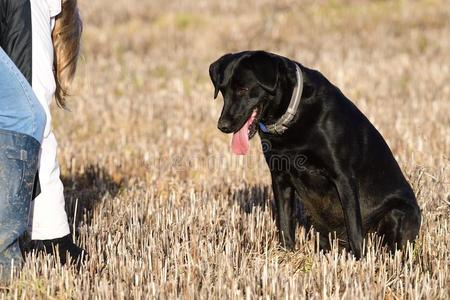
[(19, 156), (22, 122), (20, 110)]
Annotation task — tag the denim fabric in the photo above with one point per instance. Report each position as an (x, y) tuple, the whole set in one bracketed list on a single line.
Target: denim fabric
[(18, 165), (20, 110)]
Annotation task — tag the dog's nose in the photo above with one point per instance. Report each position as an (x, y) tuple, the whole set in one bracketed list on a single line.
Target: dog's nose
[(224, 126)]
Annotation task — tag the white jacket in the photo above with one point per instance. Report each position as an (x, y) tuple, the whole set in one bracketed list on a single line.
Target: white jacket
[(48, 216)]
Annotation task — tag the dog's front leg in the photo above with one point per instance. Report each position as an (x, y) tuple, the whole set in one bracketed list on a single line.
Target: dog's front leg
[(284, 194), (349, 198)]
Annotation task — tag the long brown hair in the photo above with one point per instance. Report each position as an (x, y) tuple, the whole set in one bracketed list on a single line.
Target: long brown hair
[(66, 43)]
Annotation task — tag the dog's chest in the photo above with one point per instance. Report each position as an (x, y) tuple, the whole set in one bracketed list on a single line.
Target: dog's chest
[(303, 168), (314, 188), (320, 199)]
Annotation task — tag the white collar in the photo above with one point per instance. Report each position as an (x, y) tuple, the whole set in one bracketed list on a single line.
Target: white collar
[(283, 123)]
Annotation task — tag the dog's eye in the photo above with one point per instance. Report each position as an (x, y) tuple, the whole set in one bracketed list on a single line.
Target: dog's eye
[(242, 91)]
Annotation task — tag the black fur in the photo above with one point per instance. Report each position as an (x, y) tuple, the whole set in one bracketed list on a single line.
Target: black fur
[(331, 157)]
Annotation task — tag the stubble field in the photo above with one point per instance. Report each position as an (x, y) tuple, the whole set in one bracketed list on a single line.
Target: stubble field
[(163, 207)]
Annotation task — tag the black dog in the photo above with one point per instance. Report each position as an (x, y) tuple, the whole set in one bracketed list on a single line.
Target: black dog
[(319, 147)]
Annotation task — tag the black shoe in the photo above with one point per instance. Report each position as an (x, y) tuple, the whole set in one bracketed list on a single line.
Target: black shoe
[(67, 250)]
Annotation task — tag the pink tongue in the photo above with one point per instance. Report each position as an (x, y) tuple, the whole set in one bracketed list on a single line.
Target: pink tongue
[(240, 144)]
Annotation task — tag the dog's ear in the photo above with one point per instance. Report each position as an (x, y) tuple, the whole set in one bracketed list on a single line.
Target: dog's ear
[(216, 70), (265, 66)]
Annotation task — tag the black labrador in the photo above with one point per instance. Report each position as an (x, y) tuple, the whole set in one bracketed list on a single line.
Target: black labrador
[(319, 148)]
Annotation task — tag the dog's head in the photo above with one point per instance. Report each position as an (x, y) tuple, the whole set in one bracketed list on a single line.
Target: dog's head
[(251, 85), (246, 80)]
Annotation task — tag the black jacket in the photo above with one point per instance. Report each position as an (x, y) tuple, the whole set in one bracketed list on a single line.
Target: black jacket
[(15, 33)]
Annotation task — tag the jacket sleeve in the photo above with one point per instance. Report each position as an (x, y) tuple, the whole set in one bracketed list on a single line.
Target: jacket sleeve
[(16, 35)]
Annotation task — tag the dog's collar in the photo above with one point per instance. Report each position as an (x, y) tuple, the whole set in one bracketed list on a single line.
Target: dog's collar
[(283, 123)]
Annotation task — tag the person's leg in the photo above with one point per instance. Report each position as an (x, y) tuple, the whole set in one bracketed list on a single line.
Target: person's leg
[(20, 110), (18, 165), (49, 224), (49, 218), (22, 121)]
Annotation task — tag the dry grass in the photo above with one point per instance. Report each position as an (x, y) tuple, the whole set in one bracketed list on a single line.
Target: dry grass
[(163, 207)]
